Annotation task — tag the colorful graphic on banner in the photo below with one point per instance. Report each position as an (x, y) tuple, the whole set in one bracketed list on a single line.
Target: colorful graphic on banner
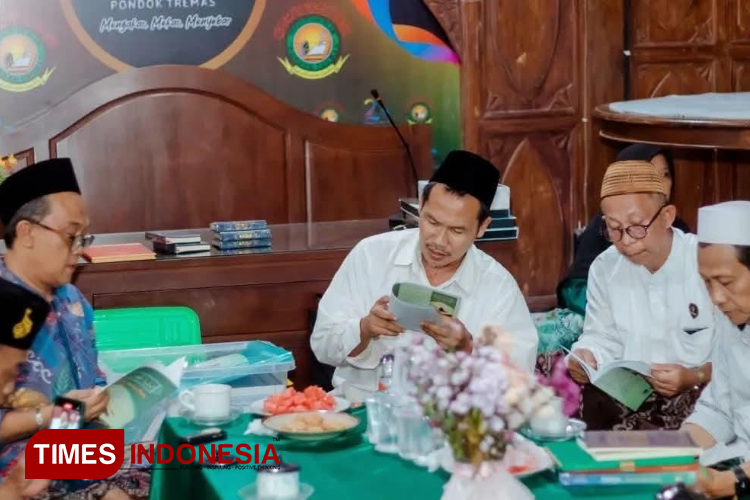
[(23, 55), (124, 33), (424, 43), (312, 41), (374, 114)]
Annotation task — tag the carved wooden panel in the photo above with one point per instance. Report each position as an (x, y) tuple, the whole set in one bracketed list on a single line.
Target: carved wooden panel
[(448, 14), (740, 20), (675, 22), (741, 76), (656, 80), (529, 61), (538, 168)]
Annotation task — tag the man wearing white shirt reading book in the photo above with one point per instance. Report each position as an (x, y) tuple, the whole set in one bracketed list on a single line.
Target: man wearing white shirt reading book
[(646, 304), (721, 420), (355, 327)]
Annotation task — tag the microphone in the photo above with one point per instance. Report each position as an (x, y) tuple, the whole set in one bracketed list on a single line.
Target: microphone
[(376, 95)]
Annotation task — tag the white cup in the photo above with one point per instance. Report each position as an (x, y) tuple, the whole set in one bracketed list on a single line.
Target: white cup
[(208, 401)]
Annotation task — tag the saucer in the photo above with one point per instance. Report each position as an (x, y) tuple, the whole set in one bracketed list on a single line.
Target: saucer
[(250, 492), (234, 413), (574, 429)]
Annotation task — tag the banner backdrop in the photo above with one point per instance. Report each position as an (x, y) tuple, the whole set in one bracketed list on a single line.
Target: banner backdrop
[(320, 56)]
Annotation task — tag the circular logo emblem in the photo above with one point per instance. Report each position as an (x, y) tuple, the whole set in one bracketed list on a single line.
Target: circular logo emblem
[(420, 113), (124, 34), (330, 114), (313, 45), (22, 59)]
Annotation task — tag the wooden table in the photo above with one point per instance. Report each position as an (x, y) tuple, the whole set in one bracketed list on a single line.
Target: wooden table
[(266, 295), (674, 132)]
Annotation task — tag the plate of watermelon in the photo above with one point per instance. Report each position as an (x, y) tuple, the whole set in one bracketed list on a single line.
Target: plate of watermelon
[(292, 401)]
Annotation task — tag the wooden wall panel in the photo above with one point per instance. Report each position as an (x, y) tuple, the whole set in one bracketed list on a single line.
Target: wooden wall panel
[(660, 79), (692, 47), (530, 64), (532, 73)]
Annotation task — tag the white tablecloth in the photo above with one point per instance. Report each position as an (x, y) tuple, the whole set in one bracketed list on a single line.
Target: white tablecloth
[(721, 106)]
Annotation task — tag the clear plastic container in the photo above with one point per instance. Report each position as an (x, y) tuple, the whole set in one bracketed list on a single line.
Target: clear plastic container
[(255, 369)]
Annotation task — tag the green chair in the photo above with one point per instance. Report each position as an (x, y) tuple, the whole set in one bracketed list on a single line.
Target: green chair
[(145, 327)]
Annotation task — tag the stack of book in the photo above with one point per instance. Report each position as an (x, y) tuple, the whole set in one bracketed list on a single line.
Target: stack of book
[(241, 235), (627, 458), (502, 226), (177, 242)]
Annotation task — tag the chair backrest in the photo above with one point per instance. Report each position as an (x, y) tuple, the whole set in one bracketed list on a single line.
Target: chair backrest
[(143, 327)]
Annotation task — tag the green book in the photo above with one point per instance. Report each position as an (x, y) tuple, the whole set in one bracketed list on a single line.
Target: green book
[(570, 457)]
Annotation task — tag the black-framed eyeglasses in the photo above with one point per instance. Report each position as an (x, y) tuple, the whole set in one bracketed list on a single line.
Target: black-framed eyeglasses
[(636, 231), (76, 243)]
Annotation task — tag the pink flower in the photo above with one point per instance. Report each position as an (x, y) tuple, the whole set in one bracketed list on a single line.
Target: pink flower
[(563, 386)]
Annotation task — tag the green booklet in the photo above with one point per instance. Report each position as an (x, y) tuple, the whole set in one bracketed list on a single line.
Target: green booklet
[(623, 380), (140, 397), (412, 304)]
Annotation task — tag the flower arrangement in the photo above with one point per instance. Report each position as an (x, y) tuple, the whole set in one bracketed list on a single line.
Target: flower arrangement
[(476, 399)]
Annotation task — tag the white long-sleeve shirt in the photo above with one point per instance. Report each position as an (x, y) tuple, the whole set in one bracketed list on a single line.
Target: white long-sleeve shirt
[(723, 409), (489, 295), (636, 315)]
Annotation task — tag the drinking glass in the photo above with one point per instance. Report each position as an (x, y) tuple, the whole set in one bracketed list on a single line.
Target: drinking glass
[(414, 434)]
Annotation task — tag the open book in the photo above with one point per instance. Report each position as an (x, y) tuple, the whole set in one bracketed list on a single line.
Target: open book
[(138, 401), (623, 380), (412, 304)]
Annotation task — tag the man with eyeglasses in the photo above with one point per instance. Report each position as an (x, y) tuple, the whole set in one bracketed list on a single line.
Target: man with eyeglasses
[(646, 302), (45, 231)]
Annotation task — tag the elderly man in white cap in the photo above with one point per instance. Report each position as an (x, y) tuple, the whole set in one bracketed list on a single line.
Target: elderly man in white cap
[(721, 420), (646, 303)]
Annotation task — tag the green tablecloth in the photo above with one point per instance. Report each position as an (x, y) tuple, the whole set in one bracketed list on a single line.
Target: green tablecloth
[(348, 468)]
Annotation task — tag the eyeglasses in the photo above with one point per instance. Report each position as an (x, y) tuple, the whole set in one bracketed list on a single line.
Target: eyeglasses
[(76, 243), (636, 231)]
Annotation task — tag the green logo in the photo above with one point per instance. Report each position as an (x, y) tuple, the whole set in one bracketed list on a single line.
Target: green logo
[(22, 58), (313, 45)]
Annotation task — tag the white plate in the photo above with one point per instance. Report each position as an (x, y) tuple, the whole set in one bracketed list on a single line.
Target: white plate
[(345, 421), (340, 404), (523, 451)]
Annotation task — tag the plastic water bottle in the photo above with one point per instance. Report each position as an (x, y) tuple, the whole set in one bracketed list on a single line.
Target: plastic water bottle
[(386, 373)]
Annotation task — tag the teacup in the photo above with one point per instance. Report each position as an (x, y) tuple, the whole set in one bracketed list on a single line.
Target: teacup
[(209, 401)]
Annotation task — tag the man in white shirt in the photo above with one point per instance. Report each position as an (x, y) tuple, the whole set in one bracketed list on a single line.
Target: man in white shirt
[(354, 327), (721, 420), (645, 302)]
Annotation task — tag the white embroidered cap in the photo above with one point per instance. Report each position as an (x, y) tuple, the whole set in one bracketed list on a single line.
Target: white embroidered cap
[(725, 223)]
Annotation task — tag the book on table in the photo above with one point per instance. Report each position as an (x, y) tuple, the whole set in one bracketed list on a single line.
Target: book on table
[(120, 252), (622, 380), (173, 237), (612, 458)]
